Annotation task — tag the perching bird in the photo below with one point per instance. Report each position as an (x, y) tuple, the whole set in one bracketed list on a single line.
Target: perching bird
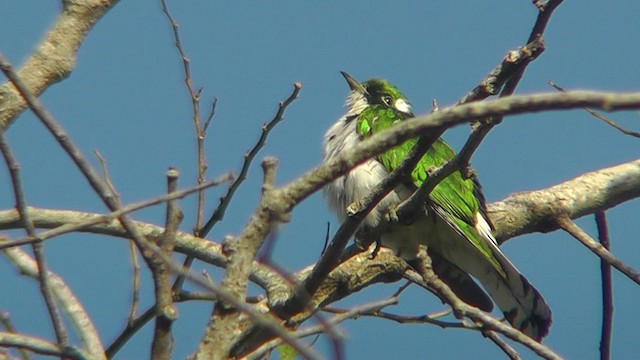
[(453, 226)]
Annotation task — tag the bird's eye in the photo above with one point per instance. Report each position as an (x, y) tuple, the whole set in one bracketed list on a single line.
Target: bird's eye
[(387, 100)]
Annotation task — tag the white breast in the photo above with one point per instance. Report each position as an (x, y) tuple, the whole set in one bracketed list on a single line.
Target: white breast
[(358, 182)]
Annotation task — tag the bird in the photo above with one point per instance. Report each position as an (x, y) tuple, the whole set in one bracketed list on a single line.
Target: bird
[(453, 224)]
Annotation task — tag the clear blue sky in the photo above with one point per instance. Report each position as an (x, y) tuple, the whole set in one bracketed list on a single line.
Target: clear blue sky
[(126, 99)]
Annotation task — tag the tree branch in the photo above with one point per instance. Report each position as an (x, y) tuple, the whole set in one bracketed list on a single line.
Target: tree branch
[(607, 288), (535, 211), (574, 230), (66, 299), (38, 248), (40, 346), (166, 312), (55, 57)]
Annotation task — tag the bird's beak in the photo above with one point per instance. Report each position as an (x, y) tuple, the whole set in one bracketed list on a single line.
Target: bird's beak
[(353, 84)]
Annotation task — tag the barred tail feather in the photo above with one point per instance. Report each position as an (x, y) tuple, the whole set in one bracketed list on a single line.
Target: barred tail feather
[(521, 303)]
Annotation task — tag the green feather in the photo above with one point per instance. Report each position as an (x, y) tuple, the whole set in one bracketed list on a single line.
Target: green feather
[(455, 194)]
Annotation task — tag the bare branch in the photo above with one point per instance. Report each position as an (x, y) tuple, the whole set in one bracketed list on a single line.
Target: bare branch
[(40, 346), (133, 326), (200, 129), (135, 282), (521, 59), (509, 80), (599, 116), (66, 299), (506, 348), (513, 62), (225, 200), (607, 289), (223, 323), (38, 249), (166, 312), (544, 15), (55, 57), (535, 211), (569, 226)]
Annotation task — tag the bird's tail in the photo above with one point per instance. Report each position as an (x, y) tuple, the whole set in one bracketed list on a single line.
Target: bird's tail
[(521, 303)]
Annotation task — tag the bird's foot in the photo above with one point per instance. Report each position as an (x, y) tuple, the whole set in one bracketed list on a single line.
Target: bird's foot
[(364, 240)]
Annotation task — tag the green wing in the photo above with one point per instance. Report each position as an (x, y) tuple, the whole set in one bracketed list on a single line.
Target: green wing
[(459, 198)]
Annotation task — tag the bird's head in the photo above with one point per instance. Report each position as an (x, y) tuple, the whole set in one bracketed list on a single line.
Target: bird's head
[(375, 92)]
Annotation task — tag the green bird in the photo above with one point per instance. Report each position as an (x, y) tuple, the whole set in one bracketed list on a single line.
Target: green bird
[(454, 225)]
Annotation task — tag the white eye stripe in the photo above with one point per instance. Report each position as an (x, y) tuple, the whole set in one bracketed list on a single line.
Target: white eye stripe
[(402, 105)]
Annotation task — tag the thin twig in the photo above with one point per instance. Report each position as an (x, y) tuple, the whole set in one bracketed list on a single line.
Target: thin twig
[(132, 328), (200, 130), (219, 212), (105, 173), (38, 248), (135, 283), (133, 253), (212, 113), (421, 319), (506, 348), (225, 200), (574, 230), (607, 288), (599, 116), (352, 313)]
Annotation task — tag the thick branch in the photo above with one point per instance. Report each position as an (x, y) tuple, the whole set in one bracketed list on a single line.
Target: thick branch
[(55, 57), (536, 211)]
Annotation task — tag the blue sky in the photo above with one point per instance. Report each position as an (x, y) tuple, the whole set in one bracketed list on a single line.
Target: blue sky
[(126, 99)]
